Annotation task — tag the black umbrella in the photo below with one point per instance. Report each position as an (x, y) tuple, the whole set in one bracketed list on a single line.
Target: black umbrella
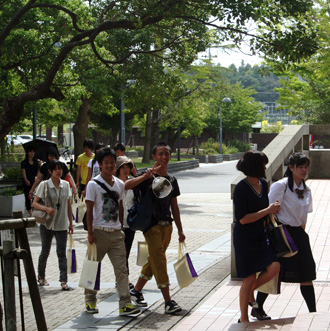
[(41, 147)]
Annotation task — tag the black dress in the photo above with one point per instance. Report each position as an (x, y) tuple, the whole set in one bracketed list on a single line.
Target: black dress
[(252, 250)]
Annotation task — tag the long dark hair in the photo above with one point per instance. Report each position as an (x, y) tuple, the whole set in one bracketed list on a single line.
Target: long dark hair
[(296, 159)]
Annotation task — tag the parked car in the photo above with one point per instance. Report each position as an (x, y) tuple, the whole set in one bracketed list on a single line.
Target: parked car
[(24, 138), (12, 139)]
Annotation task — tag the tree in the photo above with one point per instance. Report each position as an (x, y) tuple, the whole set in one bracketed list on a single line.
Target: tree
[(34, 68)]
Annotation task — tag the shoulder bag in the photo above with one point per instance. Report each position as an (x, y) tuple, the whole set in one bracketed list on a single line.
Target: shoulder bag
[(41, 216)]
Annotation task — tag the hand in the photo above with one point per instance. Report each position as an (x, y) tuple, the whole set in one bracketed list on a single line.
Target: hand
[(91, 238), (50, 210), (182, 237), (74, 190), (274, 208), (70, 228), (83, 192)]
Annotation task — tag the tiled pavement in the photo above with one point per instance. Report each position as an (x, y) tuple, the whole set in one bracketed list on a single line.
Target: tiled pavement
[(210, 303)]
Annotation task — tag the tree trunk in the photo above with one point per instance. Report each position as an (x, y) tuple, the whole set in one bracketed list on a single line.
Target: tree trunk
[(60, 138), (147, 138), (81, 126), (49, 133), (154, 131)]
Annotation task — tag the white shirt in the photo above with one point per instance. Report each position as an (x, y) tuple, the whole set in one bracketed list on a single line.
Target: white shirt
[(293, 210), (128, 202), (96, 168), (105, 211)]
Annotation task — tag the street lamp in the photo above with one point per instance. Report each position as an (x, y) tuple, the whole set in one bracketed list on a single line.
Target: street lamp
[(225, 99)]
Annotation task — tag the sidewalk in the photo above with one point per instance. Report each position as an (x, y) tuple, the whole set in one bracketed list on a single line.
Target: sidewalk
[(288, 310), (211, 302)]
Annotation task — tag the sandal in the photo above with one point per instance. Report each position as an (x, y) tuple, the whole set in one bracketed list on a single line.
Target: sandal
[(65, 286), (42, 282)]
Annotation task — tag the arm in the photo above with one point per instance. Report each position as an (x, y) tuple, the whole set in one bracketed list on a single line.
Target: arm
[(39, 179), (177, 218), (78, 174), (37, 205), (253, 217), (121, 213), (70, 216), (73, 184), (89, 215), (89, 177), (26, 181), (131, 183)]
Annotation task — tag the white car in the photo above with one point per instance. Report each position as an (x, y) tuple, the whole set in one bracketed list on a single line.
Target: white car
[(12, 139), (24, 138)]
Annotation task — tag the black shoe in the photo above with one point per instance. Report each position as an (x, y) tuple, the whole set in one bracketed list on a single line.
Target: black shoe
[(239, 320), (171, 307), (138, 298), (131, 286), (260, 314)]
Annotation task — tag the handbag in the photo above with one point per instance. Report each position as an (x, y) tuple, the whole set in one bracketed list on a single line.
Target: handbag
[(184, 269), (273, 286), (91, 270), (280, 239), (41, 216), (71, 257), (139, 216), (142, 253)]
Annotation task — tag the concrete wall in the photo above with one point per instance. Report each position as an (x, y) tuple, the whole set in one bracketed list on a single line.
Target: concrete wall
[(320, 161)]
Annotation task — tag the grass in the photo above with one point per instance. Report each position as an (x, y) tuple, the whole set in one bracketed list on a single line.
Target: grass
[(138, 162)]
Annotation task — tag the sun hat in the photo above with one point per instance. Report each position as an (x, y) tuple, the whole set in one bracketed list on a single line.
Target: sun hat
[(121, 160)]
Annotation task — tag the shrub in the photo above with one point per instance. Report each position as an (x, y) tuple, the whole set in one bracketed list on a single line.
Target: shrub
[(12, 174), (210, 147), (231, 150), (239, 145), (9, 192)]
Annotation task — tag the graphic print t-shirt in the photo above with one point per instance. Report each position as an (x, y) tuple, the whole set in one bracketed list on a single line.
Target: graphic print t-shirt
[(105, 211)]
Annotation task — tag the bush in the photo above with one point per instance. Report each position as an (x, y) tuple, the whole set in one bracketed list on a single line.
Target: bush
[(241, 147), (210, 147), (9, 192), (12, 174), (231, 150)]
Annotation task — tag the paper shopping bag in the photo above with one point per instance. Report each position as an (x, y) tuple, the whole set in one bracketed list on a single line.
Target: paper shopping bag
[(91, 270), (184, 269), (271, 287), (71, 257), (142, 253), (79, 209)]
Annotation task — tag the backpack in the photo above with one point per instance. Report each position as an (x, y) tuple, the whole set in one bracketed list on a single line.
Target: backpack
[(139, 216)]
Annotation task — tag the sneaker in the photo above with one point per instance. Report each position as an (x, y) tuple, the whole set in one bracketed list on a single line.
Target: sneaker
[(171, 307), (91, 308), (131, 286), (138, 298), (129, 310)]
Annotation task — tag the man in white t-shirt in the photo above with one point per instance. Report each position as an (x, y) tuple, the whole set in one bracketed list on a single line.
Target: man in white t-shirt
[(104, 222)]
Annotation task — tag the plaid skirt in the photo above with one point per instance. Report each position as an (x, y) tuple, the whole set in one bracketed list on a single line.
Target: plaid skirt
[(300, 267)]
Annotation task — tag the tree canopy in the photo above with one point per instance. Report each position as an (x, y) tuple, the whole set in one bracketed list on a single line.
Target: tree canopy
[(43, 43)]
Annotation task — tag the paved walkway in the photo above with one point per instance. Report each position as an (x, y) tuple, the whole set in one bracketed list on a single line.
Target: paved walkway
[(211, 302)]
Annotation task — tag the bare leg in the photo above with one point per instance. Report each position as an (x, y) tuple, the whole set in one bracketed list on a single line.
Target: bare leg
[(140, 284), (271, 271), (166, 293), (244, 296)]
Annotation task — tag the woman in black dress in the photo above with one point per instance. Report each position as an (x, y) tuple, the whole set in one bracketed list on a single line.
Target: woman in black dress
[(252, 250), (29, 166)]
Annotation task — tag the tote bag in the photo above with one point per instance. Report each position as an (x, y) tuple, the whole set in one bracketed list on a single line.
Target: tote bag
[(184, 269), (79, 209), (142, 253), (41, 216), (71, 257), (91, 270), (271, 287)]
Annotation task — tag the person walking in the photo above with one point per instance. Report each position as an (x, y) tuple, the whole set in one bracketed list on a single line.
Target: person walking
[(30, 166), (123, 169), (296, 202), (104, 224), (158, 237), (58, 225), (120, 150), (252, 249), (82, 162)]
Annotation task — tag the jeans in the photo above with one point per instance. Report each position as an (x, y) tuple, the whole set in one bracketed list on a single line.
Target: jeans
[(46, 243)]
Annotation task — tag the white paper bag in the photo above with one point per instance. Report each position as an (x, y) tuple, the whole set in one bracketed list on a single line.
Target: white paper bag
[(184, 269), (79, 209), (91, 270), (71, 257), (142, 253)]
